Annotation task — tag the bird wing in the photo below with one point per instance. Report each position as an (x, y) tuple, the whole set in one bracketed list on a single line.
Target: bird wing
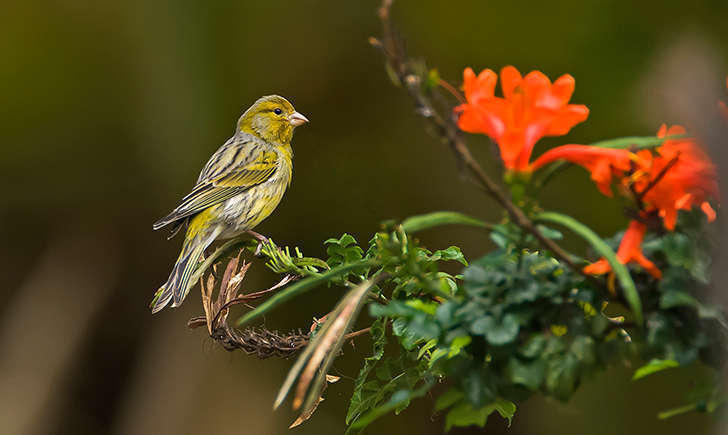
[(234, 168)]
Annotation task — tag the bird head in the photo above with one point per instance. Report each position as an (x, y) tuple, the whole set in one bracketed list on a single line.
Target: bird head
[(271, 118)]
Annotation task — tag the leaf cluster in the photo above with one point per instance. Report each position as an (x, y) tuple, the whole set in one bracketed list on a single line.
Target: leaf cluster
[(513, 323)]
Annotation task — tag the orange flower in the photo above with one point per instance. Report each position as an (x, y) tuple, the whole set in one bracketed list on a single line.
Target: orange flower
[(531, 108), (679, 177), (603, 163), (630, 250)]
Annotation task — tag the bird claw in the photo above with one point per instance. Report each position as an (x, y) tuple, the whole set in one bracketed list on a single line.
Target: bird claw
[(261, 240), (257, 253)]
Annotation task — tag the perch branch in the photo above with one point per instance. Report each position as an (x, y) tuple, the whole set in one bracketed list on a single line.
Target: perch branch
[(261, 342)]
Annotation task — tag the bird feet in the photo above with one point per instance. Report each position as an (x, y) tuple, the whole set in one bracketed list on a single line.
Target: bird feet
[(261, 239)]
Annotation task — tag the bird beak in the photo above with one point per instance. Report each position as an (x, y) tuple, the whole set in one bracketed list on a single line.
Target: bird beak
[(296, 119)]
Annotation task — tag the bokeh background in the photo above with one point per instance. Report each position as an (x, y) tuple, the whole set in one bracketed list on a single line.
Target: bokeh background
[(110, 109)]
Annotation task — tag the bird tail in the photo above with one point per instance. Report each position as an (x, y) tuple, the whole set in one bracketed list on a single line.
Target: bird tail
[(178, 284)]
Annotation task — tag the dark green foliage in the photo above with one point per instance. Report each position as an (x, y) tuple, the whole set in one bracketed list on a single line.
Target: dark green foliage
[(516, 321), (519, 322)]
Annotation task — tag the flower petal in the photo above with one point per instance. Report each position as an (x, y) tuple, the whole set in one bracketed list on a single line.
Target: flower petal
[(563, 88), (708, 210), (510, 79), (598, 267), (567, 118)]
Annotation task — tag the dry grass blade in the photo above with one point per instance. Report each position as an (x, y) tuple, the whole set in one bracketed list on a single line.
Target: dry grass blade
[(229, 270), (229, 287), (303, 417), (298, 366), (311, 367), (324, 344), (206, 291)]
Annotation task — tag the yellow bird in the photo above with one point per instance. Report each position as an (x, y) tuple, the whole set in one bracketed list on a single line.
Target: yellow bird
[(238, 188)]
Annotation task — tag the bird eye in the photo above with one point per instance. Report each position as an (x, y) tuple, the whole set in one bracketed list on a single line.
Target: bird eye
[(277, 111)]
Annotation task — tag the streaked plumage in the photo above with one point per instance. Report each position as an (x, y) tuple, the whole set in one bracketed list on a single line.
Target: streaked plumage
[(239, 187)]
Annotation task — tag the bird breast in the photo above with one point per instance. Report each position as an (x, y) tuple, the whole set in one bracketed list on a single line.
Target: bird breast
[(245, 211)]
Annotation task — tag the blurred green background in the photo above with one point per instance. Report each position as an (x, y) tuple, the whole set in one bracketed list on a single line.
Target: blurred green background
[(110, 109)]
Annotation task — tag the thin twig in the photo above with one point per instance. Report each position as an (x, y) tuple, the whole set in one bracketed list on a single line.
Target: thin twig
[(659, 177), (451, 89), (354, 334)]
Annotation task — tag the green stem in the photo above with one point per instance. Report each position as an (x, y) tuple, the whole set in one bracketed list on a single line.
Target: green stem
[(417, 223), (677, 411)]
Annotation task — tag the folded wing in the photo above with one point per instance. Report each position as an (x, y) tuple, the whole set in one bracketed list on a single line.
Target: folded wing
[(234, 168)]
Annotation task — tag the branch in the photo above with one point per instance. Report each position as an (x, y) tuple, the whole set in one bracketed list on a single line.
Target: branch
[(448, 131)]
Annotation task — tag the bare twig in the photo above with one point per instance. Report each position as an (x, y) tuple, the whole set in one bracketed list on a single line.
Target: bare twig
[(448, 131), (454, 92)]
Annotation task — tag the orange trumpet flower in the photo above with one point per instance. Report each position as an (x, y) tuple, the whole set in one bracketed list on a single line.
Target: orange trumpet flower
[(531, 108), (679, 177)]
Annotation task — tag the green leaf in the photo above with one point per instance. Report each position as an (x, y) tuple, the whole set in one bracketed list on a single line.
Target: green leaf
[(584, 349), (506, 409), (398, 398), (425, 221), (550, 233), (601, 247), (503, 332), (654, 366), (482, 325), (301, 287), (562, 375), (463, 414), (425, 347), (478, 384), (426, 307), (344, 240), (529, 374), (687, 250), (436, 355), (533, 346), (447, 399), (360, 400), (676, 298), (453, 253), (457, 344), (343, 250), (393, 309)]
